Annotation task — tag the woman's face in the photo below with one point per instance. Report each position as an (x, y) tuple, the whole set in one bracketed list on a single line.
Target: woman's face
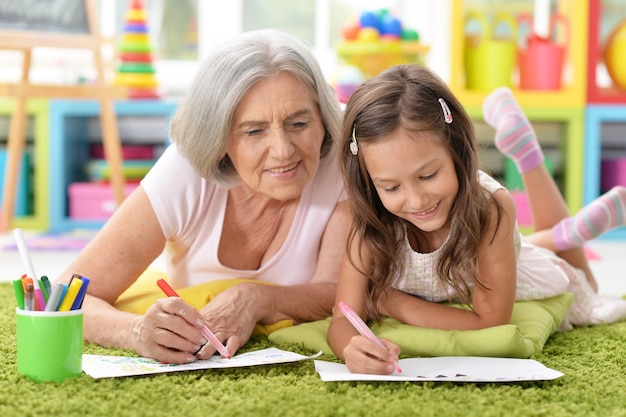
[(276, 137), (415, 178)]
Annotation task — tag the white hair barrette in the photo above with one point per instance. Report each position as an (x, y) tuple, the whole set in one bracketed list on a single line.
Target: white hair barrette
[(354, 146), (447, 114)]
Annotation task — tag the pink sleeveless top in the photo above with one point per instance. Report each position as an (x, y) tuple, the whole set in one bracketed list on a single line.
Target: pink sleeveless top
[(191, 212)]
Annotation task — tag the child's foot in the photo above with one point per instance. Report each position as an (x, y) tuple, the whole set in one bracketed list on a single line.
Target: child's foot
[(603, 214), (515, 136)]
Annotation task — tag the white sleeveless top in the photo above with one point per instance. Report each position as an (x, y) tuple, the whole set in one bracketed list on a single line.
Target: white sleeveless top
[(540, 274)]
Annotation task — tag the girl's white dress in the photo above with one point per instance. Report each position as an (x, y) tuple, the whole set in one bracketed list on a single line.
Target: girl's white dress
[(540, 274)]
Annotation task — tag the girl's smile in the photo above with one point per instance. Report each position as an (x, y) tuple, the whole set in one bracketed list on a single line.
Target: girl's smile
[(428, 213)]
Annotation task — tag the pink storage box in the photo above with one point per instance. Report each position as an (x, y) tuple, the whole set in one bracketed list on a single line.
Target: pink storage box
[(128, 151), (524, 216), (93, 201), (612, 173)]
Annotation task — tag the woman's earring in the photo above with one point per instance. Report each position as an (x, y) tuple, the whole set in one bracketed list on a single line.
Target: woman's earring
[(354, 146)]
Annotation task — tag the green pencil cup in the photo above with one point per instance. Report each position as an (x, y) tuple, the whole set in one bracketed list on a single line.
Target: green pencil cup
[(49, 344)]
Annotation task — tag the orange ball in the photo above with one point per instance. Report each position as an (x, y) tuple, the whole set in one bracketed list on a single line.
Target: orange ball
[(350, 32)]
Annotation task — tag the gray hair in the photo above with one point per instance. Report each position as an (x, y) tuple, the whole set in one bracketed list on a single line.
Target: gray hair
[(201, 125)]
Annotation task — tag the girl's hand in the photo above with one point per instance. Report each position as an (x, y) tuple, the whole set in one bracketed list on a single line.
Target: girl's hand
[(362, 356), (169, 331)]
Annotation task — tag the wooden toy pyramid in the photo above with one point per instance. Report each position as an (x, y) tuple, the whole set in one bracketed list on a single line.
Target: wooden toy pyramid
[(136, 69)]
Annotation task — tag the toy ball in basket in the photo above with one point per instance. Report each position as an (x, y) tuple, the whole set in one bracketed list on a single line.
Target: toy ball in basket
[(379, 40)]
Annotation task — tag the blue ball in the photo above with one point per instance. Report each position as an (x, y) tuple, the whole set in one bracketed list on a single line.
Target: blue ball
[(391, 26), (369, 20)]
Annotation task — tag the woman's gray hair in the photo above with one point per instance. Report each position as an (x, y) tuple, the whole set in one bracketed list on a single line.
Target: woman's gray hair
[(201, 125)]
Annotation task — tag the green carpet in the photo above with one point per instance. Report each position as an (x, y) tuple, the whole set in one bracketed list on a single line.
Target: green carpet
[(593, 360)]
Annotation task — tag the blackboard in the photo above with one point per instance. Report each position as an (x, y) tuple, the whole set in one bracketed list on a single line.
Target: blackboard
[(62, 16)]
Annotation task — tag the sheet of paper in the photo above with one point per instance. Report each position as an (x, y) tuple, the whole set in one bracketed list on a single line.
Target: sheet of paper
[(448, 368), (103, 366)]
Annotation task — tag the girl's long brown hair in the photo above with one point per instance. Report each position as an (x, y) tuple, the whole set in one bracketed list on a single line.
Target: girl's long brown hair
[(407, 96)]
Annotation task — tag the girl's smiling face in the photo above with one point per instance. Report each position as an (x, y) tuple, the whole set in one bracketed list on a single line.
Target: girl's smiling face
[(276, 137), (415, 178)]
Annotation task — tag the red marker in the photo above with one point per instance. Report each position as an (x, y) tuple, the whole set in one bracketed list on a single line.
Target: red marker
[(169, 291)]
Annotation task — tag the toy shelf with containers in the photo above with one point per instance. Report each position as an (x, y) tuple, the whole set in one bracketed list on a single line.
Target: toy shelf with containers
[(605, 115), (575, 77), (493, 44), (31, 202), (80, 196)]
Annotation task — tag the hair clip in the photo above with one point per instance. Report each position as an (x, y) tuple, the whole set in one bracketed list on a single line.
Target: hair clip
[(354, 146), (447, 114)]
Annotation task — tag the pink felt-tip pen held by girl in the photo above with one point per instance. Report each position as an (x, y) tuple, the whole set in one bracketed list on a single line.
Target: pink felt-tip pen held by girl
[(169, 291), (363, 328)]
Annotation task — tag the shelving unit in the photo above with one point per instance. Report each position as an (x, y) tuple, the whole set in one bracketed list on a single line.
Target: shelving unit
[(574, 78), (603, 132), (610, 13), (605, 115), (34, 213), (74, 125), (561, 133)]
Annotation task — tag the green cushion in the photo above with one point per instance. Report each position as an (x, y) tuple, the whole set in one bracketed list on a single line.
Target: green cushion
[(531, 325)]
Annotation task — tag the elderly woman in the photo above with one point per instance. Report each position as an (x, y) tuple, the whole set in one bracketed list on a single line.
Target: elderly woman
[(249, 188)]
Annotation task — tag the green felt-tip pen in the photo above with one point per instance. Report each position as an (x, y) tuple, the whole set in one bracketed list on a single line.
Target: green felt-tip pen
[(46, 283), (44, 291), (19, 293)]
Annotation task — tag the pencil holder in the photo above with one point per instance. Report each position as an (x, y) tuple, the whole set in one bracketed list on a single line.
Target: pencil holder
[(49, 344)]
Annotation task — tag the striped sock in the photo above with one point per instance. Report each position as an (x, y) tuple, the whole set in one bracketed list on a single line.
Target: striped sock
[(601, 215), (515, 136)]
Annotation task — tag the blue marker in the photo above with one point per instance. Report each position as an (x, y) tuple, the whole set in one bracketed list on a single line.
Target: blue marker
[(78, 301)]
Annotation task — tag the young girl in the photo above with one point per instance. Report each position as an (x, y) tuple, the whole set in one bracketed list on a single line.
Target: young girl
[(430, 227)]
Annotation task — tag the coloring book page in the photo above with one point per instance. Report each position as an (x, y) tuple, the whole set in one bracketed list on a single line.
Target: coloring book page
[(448, 368), (103, 366)]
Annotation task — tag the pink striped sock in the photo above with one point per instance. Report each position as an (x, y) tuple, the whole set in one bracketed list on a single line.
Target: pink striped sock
[(601, 215), (515, 136)]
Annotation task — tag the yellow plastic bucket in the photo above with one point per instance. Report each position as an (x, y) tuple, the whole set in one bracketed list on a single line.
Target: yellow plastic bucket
[(489, 60)]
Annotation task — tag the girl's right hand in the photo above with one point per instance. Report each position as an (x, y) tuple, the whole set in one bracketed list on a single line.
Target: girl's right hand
[(362, 356), (169, 331)]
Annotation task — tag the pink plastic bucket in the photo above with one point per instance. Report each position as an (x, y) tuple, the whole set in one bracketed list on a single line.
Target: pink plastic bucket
[(541, 62)]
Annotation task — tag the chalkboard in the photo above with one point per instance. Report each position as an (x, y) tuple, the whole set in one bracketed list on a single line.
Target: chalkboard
[(63, 16)]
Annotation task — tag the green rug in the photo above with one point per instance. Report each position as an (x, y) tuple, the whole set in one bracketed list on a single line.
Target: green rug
[(593, 360)]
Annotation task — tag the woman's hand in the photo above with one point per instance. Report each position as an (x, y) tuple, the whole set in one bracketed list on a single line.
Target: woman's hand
[(363, 356), (169, 331), (232, 316)]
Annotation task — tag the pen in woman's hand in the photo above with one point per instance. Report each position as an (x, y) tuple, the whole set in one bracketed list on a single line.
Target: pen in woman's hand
[(169, 291)]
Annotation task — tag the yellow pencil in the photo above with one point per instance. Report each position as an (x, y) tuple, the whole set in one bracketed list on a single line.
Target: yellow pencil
[(70, 295)]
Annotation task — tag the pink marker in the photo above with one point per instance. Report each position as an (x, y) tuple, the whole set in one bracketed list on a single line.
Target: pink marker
[(169, 291), (362, 328)]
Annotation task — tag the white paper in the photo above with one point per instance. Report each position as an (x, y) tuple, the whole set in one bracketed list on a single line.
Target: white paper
[(103, 366), (448, 368)]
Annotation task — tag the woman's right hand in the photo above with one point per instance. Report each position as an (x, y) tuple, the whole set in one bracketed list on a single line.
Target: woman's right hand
[(170, 331), (363, 356)]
